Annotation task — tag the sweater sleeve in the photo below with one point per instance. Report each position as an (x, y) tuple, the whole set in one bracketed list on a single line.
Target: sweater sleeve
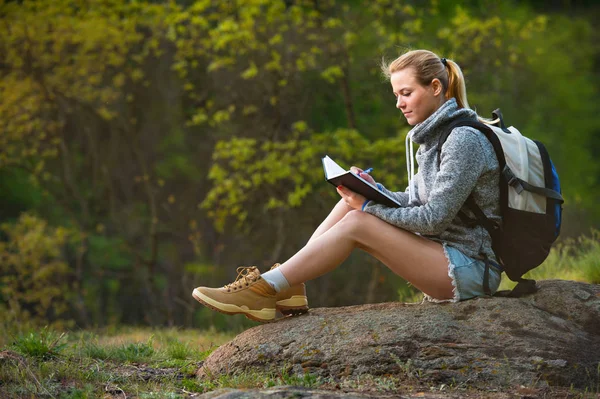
[(462, 163), (401, 197)]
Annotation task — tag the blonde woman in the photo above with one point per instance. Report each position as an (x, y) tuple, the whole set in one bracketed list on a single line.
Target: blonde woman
[(423, 241)]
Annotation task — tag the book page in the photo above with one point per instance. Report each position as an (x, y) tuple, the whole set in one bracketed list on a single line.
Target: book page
[(332, 169)]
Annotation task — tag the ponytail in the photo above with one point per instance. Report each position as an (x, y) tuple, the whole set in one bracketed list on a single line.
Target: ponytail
[(456, 84)]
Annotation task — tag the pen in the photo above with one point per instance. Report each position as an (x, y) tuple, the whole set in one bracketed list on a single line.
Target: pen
[(368, 170)]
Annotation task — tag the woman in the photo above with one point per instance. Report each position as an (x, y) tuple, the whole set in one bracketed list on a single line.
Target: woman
[(424, 241)]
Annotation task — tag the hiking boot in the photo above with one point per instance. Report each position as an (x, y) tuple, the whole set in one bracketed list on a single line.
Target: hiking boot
[(249, 295), (293, 301)]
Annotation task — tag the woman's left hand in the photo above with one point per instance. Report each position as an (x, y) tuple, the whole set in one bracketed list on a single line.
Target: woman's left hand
[(352, 199)]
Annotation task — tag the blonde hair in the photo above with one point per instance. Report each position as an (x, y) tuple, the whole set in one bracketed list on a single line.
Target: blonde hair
[(429, 66)]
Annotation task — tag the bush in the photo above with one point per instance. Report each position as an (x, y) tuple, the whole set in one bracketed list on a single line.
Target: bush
[(35, 280)]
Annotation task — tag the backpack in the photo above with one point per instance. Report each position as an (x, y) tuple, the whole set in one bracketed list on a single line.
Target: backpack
[(530, 202)]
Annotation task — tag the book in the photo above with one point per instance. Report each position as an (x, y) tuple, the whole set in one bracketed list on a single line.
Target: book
[(338, 176)]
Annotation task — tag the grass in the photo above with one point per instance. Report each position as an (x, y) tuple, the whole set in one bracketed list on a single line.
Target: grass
[(137, 362), (44, 345)]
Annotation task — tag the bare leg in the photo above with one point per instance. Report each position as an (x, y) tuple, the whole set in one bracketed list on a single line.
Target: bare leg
[(418, 260), (337, 213)]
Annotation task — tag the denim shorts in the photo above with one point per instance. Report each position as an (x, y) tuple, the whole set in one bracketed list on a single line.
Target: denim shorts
[(467, 275)]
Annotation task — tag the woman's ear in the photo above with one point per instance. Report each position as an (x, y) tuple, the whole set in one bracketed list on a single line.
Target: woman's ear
[(436, 85)]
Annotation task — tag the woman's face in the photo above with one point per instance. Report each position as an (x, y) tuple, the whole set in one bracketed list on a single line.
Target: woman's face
[(416, 102)]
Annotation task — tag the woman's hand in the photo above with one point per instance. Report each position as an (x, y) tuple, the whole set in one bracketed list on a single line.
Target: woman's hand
[(352, 199), (361, 173)]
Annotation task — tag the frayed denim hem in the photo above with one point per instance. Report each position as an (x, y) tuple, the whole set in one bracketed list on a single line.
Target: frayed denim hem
[(452, 276)]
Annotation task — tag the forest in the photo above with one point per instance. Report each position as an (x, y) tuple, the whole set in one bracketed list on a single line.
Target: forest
[(149, 147)]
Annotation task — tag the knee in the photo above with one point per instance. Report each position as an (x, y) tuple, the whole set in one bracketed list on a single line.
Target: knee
[(361, 227), (354, 220)]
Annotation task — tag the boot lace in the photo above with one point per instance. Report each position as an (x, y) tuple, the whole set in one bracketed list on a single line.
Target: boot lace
[(246, 275)]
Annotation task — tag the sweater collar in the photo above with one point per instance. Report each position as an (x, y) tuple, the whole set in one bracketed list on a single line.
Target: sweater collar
[(428, 131)]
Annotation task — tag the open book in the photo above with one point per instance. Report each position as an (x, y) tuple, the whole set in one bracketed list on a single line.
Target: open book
[(337, 176)]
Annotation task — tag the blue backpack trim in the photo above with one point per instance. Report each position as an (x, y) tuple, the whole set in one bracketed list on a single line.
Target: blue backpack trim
[(557, 207)]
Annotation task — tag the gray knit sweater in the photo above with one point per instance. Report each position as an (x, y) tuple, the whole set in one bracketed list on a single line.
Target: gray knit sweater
[(468, 164)]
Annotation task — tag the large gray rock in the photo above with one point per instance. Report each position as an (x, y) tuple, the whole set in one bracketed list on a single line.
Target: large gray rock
[(551, 337), (286, 392)]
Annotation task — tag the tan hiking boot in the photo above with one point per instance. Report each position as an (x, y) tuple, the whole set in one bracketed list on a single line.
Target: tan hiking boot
[(293, 301), (249, 295)]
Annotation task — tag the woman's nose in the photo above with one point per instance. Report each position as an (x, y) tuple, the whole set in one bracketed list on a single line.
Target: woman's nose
[(399, 103)]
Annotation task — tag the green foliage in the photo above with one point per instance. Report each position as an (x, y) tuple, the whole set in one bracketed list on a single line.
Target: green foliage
[(35, 280), (58, 365), (305, 380), (108, 252), (192, 385), (408, 294), (178, 350), (44, 345), (79, 393), (18, 194), (134, 352), (248, 174), (92, 350)]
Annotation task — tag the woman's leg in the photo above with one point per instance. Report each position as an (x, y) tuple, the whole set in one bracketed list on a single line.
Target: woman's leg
[(420, 261), (337, 213), (292, 299)]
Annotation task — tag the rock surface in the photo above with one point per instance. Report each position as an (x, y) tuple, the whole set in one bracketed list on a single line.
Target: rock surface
[(286, 392), (551, 337)]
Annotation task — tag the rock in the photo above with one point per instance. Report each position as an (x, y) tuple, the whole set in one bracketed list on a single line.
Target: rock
[(549, 338), (285, 393)]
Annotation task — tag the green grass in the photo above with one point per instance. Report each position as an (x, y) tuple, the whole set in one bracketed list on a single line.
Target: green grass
[(135, 352), (44, 345), (139, 362)]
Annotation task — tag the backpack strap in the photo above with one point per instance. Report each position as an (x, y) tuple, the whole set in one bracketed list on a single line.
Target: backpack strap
[(521, 185), (524, 286), (492, 228), (486, 276), (497, 114), (495, 141)]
